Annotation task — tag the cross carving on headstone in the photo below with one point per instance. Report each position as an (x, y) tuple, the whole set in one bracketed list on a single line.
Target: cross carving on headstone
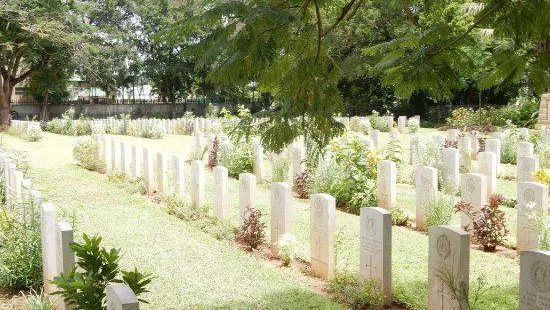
[(442, 294), (370, 266)]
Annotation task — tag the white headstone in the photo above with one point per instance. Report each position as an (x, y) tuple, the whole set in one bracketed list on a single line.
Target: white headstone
[(124, 159), (298, 161), (65, 257), (450, 174), (452, 135), (107, 153), (247, 193), (525, 149), (162, 172), (465, 149), (448, 258), (534, 280), (197, 183), (426, 189), (258, 166), (526, 168), (374, 135), (148, 170), (221, 192), (438, 139), (48, 234), (534, 192), (137, 154), (115, 154), (322, 228), (473, 190), (487, 166), (121, 297), (281, 206), (386, 184), (401, 123), (178, 174), (375, 249), (493, 146)]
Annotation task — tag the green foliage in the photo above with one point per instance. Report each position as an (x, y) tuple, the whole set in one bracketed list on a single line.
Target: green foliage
[(86, 153), (399, 217), (82, 126), (280, 166), (252, 232), (439, 211), (509, 148), (379, 122), (350, 290), (38, 302), (541, 224), (521, 115), (85, 284), (237, 158), (20, 246), (33, 134), (349, 176), (286, 246), (184, 210), (55, 126)]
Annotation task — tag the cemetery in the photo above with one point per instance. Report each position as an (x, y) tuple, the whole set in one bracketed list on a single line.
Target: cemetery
[(175, 213), (165, 154)]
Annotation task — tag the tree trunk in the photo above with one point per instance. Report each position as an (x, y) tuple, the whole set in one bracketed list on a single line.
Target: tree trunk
[(44, 111), (5, 117)]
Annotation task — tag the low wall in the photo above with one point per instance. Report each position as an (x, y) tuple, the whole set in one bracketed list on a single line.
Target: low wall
[(105, 110)]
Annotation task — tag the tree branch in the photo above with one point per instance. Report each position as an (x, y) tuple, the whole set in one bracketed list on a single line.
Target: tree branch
[(465, 34), (409, 13), (343, 14), (319, 29)]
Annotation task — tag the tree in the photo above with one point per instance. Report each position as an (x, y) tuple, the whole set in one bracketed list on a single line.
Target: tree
[(299, 50), (32, 32)]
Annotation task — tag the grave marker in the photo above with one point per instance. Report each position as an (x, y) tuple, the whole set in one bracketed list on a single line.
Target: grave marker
[(281, 203), (221, 188), (322, 227), (386, 184), (197, 183), (487, 166), (526, 168), (534, 280), (527, 237), (473, 190), (451, 173), (426, 189), (247, 193)]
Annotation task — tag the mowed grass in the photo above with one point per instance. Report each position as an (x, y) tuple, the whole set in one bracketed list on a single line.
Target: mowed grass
[(410, 248), (192, 269)]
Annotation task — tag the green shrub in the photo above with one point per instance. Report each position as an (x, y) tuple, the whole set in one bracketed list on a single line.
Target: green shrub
[(379, 122), (543, 153), (522, 115), (399, 217), (20, 246), (125, 124), (82, 126), (85, 152), (280, 166), (350, 290), (217, 228), (237, 158), (55, 126), (509, 148), (286, 246), (38, 302), (439, 211), (96, 267), (33, 134), (184, 210), (68, 123)]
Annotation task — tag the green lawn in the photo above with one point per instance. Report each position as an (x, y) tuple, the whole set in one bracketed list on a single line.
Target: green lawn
[(192, 269), (409, 247)]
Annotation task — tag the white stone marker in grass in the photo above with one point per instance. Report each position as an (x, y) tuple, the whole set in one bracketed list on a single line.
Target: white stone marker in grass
[(426, 189), (486, 164), (65, 256), (451, 170), (137, 155), (115, 154), (178, 174), (448, 261), (197, 183), (374, 135), (322, 228), (474, 144), (534, 280), (247, 194), (537, 193), (526, 167), (162, 172), (107, 154), (401, 123), (524, 132), (221, 192), (17, 186), (465, 149), (473, 190), (298, 156), (414, 151), (258, 166), (452, 135), (148, 170), (121, 297), (493, 146), (199, 143), (386, 184), (124, 159), (49, 245), (389, 119), (525, 149), (281, 206), (375, 249), (438, 139)]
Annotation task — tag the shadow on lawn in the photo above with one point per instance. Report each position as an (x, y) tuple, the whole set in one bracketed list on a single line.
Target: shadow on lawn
[(296, 298)]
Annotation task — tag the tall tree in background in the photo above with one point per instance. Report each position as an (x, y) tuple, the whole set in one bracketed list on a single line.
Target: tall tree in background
[(31, 33)]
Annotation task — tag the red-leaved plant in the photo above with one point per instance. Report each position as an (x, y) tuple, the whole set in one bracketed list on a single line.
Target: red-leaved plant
[(213, 156), (252, 232), (451, 144), (301, 184), (488, 224)]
